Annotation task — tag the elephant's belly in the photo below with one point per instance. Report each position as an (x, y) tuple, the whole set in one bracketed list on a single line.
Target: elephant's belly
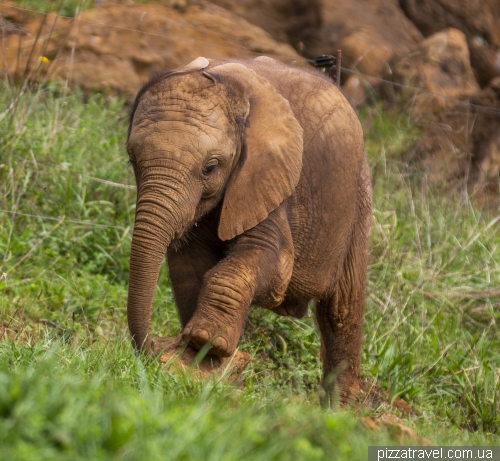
[(293, 307), (318, 262)]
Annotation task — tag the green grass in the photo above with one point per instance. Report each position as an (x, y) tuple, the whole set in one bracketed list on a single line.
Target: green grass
[(103, 403), (433, 288), (68, 8), (71, 386)]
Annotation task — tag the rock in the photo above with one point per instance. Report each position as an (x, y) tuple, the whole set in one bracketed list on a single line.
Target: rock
[(478, 19), (485, 60), (30, 39), (8, 27), (296, 22), (489, 162), (461, 143), (486, 135), (178, 356), (440, 65), (15, 15), (369, 33), (459, 121), (117, 48), (366, 52), (354, 90)]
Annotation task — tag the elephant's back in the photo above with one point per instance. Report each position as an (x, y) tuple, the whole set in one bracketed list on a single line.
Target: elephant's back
[(332, 132), (323, 208)]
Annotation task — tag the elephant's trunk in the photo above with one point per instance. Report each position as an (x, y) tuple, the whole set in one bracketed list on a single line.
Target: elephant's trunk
[(159, 216)]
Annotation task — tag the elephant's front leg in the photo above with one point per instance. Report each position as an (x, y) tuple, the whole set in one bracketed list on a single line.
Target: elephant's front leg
[(188, 265), (258, 267)]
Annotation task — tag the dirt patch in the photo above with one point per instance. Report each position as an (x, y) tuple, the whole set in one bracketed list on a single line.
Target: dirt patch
[(399, 432), (372, 396), (179, 356), (7, 333), (22, 331)]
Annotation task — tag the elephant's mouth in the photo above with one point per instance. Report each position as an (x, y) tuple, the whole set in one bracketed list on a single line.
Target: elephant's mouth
[(181, 239), (182, 236)]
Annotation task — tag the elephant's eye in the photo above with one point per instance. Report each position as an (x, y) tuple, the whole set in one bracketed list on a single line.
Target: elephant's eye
[(210, 167), (131, 160)]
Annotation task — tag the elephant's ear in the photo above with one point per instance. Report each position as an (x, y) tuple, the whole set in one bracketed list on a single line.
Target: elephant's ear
[(269, 169), (198, 64)]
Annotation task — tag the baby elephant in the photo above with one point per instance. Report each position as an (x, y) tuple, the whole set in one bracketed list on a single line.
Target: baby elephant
[(252, 178)]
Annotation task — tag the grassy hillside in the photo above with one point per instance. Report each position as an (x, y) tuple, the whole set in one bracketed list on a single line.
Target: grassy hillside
[(71, 386)]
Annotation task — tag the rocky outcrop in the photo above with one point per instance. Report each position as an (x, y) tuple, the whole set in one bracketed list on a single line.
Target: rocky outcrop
[(486, 135), (462, 143), (479, 20), (297, 22), (369, 32), (440, 65), (117, 48), (459, 122)]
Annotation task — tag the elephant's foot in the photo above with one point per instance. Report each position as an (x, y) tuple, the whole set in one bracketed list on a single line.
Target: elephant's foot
[(223, 338), (349, 387)]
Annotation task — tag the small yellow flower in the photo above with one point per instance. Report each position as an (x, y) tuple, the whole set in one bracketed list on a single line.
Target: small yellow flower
[(44, 59)]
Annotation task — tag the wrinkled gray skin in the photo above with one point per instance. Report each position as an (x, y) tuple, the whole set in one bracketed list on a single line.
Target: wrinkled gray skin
[(252, 178)]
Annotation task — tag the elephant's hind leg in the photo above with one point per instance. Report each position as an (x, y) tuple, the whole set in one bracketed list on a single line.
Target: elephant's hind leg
[(340, 315), (340, 322)]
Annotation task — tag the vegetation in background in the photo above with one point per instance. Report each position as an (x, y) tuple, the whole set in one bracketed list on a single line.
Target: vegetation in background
[(67, 8), (71, 386)]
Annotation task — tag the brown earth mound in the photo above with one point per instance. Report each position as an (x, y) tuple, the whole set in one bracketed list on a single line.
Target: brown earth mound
[(179, 357), (463, 142), (116, 48)]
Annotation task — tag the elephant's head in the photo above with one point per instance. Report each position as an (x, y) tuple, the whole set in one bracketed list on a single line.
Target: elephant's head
[(200, 136)]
